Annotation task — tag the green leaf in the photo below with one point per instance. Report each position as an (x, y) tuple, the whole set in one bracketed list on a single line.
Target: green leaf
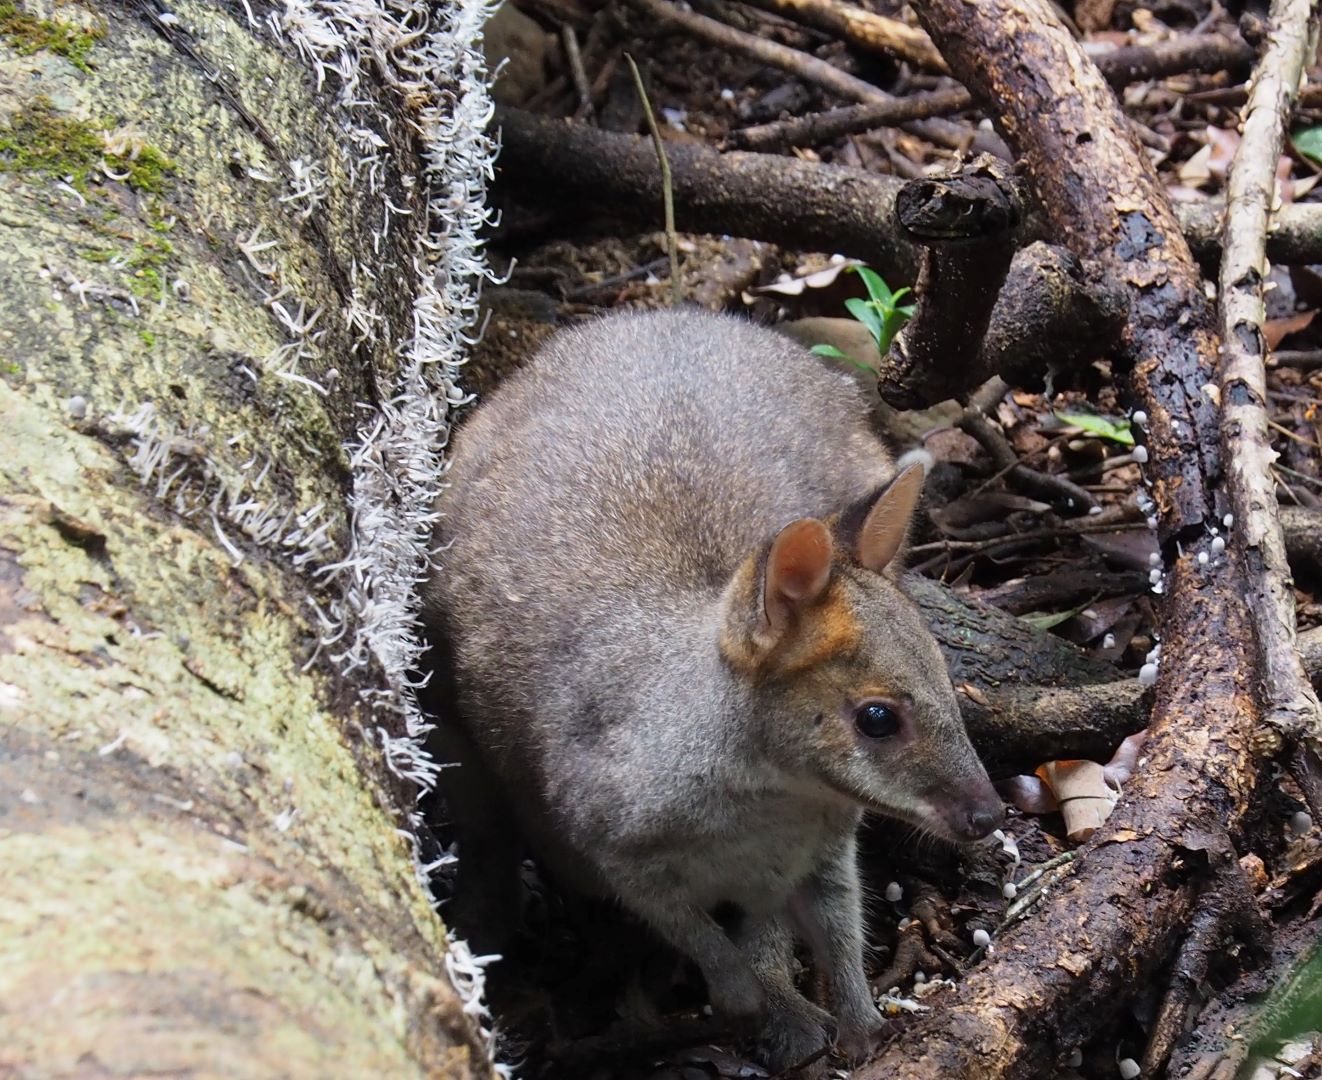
[(835, 354), (878, 290), (867, 314), (1100, 426), (1045, 620), (1308, 141)]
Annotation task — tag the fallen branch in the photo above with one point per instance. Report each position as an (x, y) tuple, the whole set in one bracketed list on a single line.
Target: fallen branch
[(861, 29), (781, 200), (799, 64), (803, 66), (824, 127), (1290, 705), (1122, 67), (753, 195), (1294, 234)]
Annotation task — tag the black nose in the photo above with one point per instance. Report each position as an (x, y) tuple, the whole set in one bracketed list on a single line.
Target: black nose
[(981, 821)]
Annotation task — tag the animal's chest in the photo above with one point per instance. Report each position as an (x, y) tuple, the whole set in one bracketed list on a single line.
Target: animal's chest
[(756, 859)]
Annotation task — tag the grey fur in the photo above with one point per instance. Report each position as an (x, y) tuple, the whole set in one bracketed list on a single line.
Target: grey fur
[(601, 503)]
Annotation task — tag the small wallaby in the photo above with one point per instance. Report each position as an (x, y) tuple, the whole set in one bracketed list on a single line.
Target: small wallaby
[(668, 576)]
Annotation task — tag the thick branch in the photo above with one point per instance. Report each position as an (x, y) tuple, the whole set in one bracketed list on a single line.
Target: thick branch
[(778, 199), (1057, 978), (1257, 539), (754, 195)]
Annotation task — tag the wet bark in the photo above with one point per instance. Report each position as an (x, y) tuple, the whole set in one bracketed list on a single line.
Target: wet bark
[(1112, 925), (203, 867)]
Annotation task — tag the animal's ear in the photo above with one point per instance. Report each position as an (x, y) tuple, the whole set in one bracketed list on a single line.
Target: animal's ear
[(772, 589), (874, 531), (798, 569)]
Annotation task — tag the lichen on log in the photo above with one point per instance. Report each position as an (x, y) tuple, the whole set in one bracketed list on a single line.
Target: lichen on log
[(201, 828)]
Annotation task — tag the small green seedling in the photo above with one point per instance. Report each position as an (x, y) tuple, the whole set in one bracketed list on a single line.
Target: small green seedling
[(1308, 142), (1103, 428), (881, 313)]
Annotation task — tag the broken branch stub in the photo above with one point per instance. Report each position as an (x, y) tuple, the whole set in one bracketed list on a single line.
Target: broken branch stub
[(984, 308)]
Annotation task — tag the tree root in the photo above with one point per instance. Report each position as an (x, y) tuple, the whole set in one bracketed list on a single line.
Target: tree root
[(1225, 912)]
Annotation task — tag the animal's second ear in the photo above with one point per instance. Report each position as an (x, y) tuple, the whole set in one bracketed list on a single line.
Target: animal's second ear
[(886, 526)]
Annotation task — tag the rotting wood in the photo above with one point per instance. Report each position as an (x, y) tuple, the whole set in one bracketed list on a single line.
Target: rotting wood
[(1290, 704), (1111, 925)]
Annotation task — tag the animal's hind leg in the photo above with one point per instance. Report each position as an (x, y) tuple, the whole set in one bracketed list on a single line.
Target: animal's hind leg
[(488, 902)]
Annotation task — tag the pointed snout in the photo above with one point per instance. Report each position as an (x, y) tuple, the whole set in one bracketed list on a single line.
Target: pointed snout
[(976, 815), (978, 821)]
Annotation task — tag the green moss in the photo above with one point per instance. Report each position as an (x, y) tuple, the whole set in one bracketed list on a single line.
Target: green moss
[(27, 34), (148, 338), (147, 170), (40, 139), (146, 265)]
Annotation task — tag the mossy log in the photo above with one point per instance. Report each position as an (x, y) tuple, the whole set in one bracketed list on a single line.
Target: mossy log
[(204, 870)]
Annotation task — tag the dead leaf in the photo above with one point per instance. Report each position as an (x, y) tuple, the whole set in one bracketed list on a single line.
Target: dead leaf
[(1274, 331)]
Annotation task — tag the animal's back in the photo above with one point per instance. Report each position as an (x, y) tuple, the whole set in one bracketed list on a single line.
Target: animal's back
[(650, 453)]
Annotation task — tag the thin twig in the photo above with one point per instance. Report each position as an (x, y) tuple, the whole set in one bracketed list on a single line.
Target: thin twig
[(800, 64), (1098, 523), (861, 29), (667, 191), (1290, 704), (576, 72)]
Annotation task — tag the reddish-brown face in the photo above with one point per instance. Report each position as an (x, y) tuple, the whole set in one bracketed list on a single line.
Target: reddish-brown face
[(847, 681), (869, 712)]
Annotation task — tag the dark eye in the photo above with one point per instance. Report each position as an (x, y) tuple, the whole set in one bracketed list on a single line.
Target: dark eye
[(876, 721)]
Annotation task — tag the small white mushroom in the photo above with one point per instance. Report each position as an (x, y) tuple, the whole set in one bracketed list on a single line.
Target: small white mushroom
[(1128, 1068), (981, 938), (1203, 558), (1140, 454), (1075, 1059), (1154, 559), (1140, 417), (77, 406), (1147, 674), (1301, 823), (1228, 520), (1009, 890), (1218, 545), (894, 891), (1108, 642)]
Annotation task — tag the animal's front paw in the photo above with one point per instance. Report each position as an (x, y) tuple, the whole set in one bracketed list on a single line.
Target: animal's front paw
[(794, 1035), (857, 1041), (738, 997)]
